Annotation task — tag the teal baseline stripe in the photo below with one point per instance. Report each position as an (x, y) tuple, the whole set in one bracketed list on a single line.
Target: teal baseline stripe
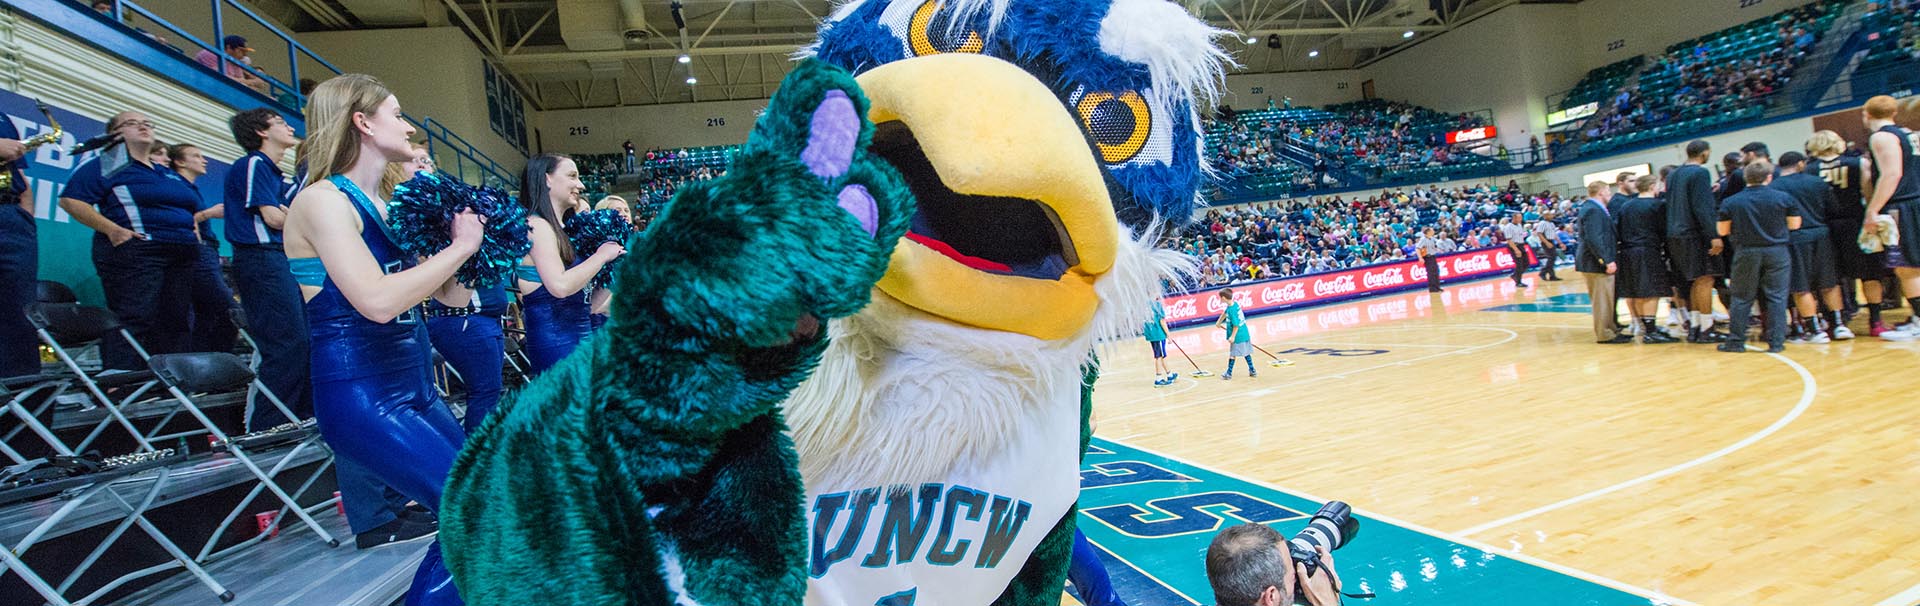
[(1153, 516), (1576, 303)]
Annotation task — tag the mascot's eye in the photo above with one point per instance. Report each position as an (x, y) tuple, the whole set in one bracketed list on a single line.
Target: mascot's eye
[(930, 33), (1118, 122)]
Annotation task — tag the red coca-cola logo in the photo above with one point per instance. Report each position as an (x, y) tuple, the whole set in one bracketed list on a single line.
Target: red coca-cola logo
[(1284, 293), (1336, 286), (1215, 305), (1471, 264), (1182, 308), (1392, 276), (1417, 273)]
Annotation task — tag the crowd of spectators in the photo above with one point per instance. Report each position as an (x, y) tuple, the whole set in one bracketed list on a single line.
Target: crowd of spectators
[(1378, 137), (1714, 75), (1302, 236)]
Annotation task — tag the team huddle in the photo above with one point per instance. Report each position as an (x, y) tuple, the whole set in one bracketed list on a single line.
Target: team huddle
[(1793, 234)]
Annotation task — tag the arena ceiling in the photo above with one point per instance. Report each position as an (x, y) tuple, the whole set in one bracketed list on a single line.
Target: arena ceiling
[(568, 54)]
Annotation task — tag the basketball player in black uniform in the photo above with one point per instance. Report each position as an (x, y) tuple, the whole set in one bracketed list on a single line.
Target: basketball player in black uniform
[(1623, 190), (1811, 247), (1731, 181), (1641, 223), (1847, 175), (1896, 190), (1692, 242)]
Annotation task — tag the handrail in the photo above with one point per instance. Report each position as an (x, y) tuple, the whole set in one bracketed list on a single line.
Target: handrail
[(294, 99), (465, 153)]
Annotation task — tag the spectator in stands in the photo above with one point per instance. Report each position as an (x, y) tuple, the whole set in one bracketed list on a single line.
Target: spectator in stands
[(145, 245), (104, 7), (237, 54)]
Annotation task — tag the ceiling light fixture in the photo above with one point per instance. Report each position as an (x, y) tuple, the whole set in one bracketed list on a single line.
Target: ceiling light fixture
[(686, 59), (1313, 53), (1408, 34), (692, 80)]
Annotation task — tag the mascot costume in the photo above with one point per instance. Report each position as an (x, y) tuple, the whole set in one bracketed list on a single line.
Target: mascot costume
[(857, 369)]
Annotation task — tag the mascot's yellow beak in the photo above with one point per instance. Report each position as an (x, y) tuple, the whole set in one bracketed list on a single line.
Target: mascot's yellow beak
[(1014, 222)]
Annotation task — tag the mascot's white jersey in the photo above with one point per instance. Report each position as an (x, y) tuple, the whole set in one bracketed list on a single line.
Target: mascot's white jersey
[(938, 456), (900, 544)]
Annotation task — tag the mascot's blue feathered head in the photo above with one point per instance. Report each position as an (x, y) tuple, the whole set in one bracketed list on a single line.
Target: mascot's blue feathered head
[(1030, 132), (1134, 72)]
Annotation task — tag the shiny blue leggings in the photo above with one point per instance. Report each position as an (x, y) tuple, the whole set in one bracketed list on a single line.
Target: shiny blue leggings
[(395, 425), (475, 348)]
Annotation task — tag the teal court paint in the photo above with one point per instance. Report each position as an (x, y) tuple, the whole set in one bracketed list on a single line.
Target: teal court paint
[(1152, 517), (1576, 303)]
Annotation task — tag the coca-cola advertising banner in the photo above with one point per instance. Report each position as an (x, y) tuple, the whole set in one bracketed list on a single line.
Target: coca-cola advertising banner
[(1258, 297), (1472, 134)]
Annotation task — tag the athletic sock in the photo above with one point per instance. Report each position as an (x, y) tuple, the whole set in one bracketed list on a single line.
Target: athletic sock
[(1915, 303), (1230, 362), (1837, 319), (1873, 312)]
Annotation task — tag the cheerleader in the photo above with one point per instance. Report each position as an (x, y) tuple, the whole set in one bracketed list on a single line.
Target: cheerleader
[(552, 283), (372, 392), (465, 325), (602, 298)]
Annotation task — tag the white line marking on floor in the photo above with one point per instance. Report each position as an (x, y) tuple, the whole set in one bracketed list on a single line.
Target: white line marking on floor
[(1808, 390)]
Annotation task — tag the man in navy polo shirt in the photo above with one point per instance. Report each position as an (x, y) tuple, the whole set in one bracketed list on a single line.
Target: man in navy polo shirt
[(256, 200), (19, 261), (145, 245), (256, 206)]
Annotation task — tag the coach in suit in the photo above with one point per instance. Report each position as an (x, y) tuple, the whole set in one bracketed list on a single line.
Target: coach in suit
[(1596, 263)]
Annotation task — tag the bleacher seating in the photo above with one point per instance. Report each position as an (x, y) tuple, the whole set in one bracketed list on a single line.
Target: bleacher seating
[(1301, 236), (1893, 46), (1723, 77), (1602, 82)]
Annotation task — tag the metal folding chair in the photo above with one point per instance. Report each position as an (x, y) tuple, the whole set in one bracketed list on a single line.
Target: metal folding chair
[(70, 325), (131, 504), (202, 373), (49, 291), (18, 391)]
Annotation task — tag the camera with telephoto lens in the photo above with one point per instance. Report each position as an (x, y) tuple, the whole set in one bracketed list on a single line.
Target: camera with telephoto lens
[(1331, 527)]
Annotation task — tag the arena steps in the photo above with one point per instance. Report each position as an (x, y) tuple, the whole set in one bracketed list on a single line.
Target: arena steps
[(296, 570)]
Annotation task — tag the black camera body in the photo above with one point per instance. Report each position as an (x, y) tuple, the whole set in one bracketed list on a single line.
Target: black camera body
[(1332, 527)]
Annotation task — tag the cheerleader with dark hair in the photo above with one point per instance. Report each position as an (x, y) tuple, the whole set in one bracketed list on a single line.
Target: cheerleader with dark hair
[(553, 285)]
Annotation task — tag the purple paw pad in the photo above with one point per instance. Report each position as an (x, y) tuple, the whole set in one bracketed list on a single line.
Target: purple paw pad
[(831, 136), (855, 200)]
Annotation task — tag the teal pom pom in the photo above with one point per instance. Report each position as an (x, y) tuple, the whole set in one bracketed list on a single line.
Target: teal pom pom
[(421, 216), (588, 230)]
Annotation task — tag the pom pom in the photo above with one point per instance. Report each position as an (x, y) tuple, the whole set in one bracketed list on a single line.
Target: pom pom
[(588, 230), (421, 216)]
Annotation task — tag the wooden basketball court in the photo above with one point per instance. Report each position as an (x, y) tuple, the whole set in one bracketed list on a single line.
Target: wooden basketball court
[(1501, 456)]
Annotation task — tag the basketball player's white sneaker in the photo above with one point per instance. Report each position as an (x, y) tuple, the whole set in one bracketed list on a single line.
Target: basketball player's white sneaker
[(1818, 338), (1905, 332), (1676, 317), (1841, 333)]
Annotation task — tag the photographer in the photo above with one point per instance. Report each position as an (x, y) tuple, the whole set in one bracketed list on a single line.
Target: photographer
[(1248, 565)]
